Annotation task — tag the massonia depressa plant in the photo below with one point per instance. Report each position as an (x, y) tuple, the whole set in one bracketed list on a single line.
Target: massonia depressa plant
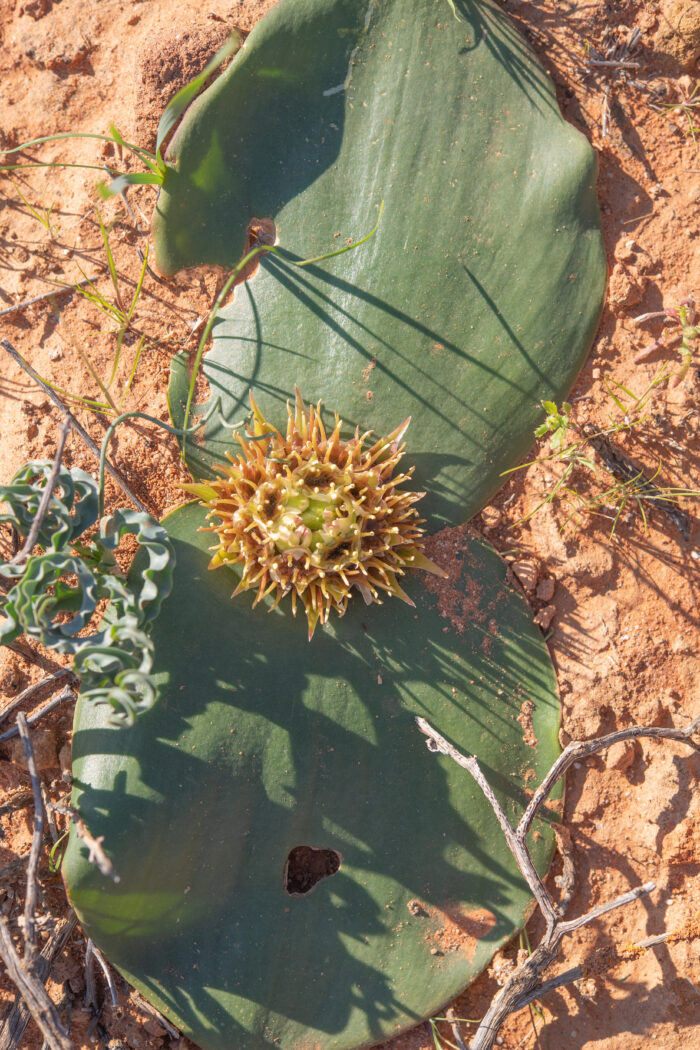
[(294, 871)]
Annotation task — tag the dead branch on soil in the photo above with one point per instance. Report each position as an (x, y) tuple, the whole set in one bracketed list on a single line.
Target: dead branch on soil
[(526, 984), (18, 307), (29, 973), (47, 685), (66, 694), (23, 555), (79, 429)]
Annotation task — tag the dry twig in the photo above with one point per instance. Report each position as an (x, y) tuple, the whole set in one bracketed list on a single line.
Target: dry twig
[(526, 985), (37, 841), (48, 685), (22, 555), (67, 694), (28, 973), (44, 296)]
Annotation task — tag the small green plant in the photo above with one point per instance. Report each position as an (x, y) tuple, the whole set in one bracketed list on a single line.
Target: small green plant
[(557, 424), (688, 101), (439, 1041), (681, 334), (633, 489), (42, 215)]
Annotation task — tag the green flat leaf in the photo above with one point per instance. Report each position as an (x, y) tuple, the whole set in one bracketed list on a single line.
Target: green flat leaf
[(263, 742), (480, 292)]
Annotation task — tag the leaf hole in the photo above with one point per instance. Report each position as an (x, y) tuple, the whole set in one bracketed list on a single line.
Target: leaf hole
[(306, 866), (260, 233)]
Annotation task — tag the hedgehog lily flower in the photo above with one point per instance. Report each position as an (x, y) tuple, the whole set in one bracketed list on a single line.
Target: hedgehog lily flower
[(315, 516)]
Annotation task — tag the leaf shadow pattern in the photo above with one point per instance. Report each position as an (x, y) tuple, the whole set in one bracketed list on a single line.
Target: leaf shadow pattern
[(263, 743)]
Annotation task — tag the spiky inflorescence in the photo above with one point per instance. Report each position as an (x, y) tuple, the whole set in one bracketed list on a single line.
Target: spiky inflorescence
[(313, 515)]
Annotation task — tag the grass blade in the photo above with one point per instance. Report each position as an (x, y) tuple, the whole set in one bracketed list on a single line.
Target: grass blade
[(181, 100)]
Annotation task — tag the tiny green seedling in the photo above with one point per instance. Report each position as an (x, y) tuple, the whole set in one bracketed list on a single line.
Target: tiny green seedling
[(681, 334), (633, 489), (688, 101), (557, 424), (439, 1041), (42, 215)]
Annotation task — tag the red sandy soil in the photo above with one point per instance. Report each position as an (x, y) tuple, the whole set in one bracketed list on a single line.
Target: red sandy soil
[(623, 609)]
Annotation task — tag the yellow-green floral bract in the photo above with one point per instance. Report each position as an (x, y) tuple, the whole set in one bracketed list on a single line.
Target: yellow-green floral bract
[(316, 516)]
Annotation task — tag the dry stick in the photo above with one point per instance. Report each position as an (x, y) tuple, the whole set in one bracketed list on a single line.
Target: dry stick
[(605, 958), (37, 842), (436, 742), (45, 295), (22, 555), (105, 970), (15, 1022), (46, 684), (619, 63), (454, 1025), (525, 984), (111, 470), (22, 972), (580, 749), (67, 694)]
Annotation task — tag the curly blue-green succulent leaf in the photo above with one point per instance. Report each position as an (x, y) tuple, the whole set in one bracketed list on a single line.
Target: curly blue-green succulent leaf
[(72, 508), (115, 662), (116, 670), (156, 578), (41, 593)]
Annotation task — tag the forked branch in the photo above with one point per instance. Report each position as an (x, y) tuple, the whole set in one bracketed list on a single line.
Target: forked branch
[(526, 983)]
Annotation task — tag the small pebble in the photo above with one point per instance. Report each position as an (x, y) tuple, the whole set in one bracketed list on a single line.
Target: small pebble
[(595, 373), (545, 590), (55, 354), (491, 516), (527, 572), (545, 616)]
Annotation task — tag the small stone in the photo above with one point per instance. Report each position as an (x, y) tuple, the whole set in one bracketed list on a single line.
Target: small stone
[(416, 908), (545, 590), (491, 516), (527, 572), (595, 373), (545, 616), (655, 190), (621, 755), (44, 746), (625, 252), (55, 353)]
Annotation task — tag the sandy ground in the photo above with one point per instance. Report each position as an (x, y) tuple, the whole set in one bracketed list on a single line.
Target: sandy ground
[(620, 611)]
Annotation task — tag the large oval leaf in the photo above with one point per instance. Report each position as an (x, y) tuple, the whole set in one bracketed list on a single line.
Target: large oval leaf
[(263, 743), (480, 292)]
